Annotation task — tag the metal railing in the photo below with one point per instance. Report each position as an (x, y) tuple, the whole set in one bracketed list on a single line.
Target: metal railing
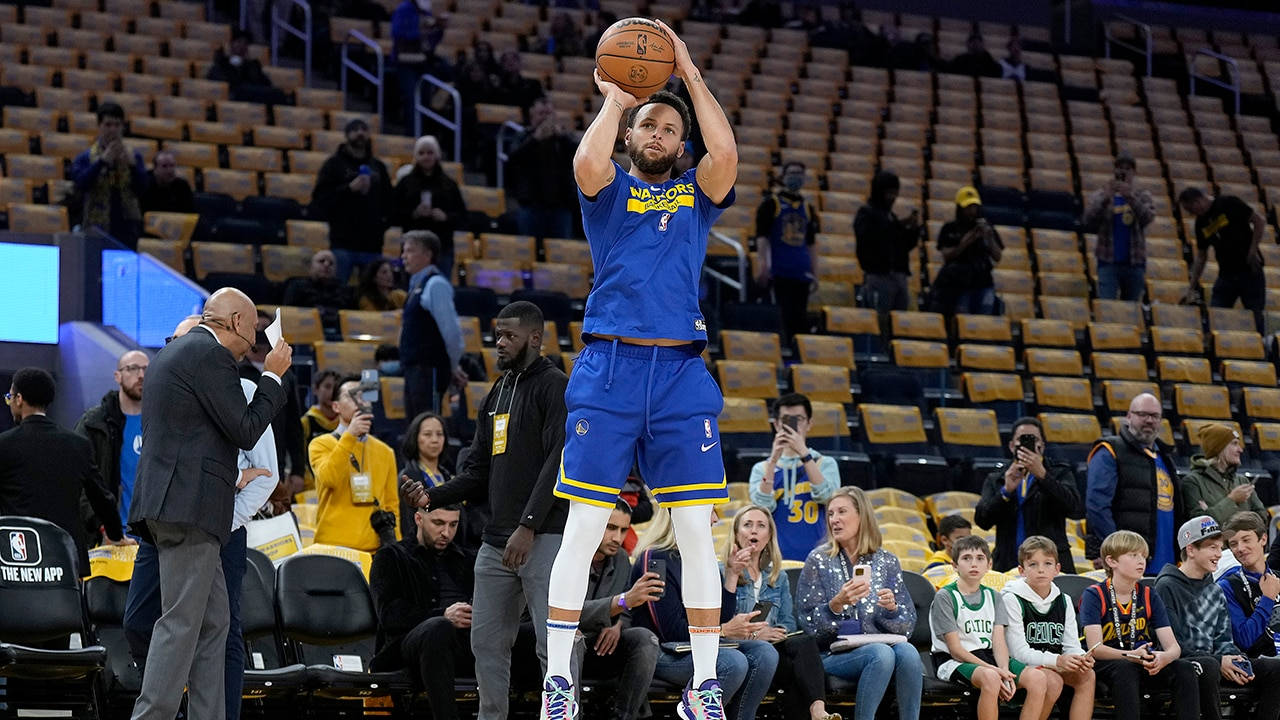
[(502, 155), (420, 110), (741, 283), (1233, 86), (278, 24), (377, 80), (1145, 29)]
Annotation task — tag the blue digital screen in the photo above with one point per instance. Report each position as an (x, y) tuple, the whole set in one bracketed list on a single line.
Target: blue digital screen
[(144, 298), (29, 295)]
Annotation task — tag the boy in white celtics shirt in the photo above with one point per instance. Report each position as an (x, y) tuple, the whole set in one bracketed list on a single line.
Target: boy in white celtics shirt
[(968, 622), (1042, 628)]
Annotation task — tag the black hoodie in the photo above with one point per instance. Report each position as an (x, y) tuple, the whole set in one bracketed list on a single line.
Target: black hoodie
[(884, 243), (103, 424), (520, 480)]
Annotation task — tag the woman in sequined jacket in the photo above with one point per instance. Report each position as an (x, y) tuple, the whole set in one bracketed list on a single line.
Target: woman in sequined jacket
[(834, 600)]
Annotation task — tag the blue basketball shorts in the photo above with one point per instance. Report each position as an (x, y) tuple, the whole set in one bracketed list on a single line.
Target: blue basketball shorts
[(655, 406)]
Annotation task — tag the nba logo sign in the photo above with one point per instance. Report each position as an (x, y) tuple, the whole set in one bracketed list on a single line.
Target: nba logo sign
[(18, 545), (662, 222), (706, 425)]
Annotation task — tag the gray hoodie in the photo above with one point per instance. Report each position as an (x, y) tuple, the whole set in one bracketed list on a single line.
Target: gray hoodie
[(1197, 613), (1015, 631)]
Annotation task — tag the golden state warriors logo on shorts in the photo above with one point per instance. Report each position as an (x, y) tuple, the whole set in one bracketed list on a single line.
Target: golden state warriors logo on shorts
[(581, 427)]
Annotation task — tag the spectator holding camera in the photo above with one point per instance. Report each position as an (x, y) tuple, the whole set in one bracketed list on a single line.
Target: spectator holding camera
[(355, 475), (1032, 496), (1213, 487), (111, 179), (970, 248), (794, 482), (884, 245), (1119, 214)]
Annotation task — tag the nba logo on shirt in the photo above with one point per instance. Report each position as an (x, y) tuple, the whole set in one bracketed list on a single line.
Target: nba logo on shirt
[(662, 223), (706, 425), (18, 546)]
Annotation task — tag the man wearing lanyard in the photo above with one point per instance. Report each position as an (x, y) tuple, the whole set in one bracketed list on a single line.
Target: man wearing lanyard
[(1252, 590), (1133, 485), (1032, 496)]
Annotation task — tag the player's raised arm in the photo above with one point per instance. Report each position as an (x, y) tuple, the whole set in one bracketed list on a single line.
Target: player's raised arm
[(593, 162), (718, 169)]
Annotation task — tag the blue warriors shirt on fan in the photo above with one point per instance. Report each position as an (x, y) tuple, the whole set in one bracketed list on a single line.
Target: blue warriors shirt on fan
[(647, 243), (799, 502)]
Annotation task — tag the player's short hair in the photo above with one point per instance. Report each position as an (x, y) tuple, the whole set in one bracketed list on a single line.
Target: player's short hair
[(1248, 521), (1035, 544), (793, 400), (664, 97), (35, 385), (424, 239), (110, 110), (969, 543), (1122, 542), (952, 523), (528, 314), (1190, 194)]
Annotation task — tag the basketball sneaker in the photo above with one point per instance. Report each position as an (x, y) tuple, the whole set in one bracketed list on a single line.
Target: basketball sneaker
[(558, 702), (703, 703)]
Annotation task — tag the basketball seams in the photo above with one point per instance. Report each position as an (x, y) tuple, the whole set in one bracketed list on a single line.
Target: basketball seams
[(629, 70)]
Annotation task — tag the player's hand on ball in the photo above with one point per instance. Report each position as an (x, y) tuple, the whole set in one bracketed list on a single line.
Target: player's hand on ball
[(612, 92), (684, 63)]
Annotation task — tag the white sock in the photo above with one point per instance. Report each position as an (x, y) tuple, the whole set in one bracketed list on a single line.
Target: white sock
[(706, 646), (560, 637)]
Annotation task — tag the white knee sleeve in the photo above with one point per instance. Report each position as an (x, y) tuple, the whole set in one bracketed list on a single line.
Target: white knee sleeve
[(582, 533), (700, 579)]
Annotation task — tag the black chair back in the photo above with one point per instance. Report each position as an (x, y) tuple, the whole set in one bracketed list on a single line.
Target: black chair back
[(38, 574), (325, 608)]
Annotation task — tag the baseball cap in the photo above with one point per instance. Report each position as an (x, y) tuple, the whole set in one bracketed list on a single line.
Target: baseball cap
[(968, 195), (1198, 528)]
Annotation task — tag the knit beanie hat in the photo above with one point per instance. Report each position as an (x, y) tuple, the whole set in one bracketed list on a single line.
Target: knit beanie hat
[(1214, 438)]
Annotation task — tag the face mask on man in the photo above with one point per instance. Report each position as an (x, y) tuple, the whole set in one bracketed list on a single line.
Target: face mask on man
[(793, 182), (235, 60)]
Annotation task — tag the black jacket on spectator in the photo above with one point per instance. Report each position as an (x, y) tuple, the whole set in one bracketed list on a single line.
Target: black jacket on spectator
[(475, 515), (540, 172), (176, 196), (1134, 504), (248, 72), (43, 471), (308, 292), (884, 243), (445, 195), (103, 425), (604, 584), (1050, 501), (976, 63), (518, 483), (356, 220), (411, 583)]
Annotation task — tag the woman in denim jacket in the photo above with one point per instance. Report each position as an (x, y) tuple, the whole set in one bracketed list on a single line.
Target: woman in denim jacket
[(835, 600), (753, 572)]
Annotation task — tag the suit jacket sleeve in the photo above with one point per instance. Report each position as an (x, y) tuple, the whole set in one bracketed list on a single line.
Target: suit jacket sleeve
[(217, 389), (100, 498)]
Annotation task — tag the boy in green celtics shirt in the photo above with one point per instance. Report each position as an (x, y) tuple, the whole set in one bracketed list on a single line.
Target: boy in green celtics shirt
[(968, 622), (1042, 627)]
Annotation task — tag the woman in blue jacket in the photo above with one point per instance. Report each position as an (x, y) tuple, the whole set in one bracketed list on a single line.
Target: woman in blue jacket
[(754, 573)]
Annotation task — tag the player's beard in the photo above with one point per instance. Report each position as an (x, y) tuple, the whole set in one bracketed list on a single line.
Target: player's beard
[(659, 166)]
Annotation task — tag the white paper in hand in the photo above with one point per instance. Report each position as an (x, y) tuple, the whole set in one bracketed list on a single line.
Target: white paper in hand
[(273, 331)]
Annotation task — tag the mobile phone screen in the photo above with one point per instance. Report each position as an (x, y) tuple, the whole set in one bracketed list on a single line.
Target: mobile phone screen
[(658, 567)]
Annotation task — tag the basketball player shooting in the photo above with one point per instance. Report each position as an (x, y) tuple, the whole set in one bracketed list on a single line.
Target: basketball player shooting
[(639, 389)]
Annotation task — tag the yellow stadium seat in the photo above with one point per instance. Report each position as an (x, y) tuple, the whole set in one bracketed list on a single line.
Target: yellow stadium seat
[(1062, 428), (293, 186), (240, 157), (30, 218), (158, 128), (744, 415), (972, 356), (1178, 340), (281, 262), (1117, 394), (748, 345), (1268, 437), (514, 248), (501, 276), (1047, 333), (1119, 366), (392, 397), (829, 420), (181, 108), (1074, 310), (974, 428), (951, 502), (561, 250), (828, 383), (301, 325), (1045, 361), (168, 252), (348, 358), (1114, 336), (1183, 369), (747, 378), (207, 257), (200, 89), (913, 324), (570, 279), (906, 516), (239, 184), (1238, 344), (171, 226), (14, 190), (370, 325), (27, 77), (825, 350), (920, 354), (1066, 393), (1201, 401), (892, 424), (472, 340), (217, 133), (281, 138), (1262, 403), (490, 201), (983, 328), (1118, 311), (14, 140), (1238, 319), (896, 533), (894, 498), (1249, 372), (851, 320), (194, 154), (984, 387), (37, 168)]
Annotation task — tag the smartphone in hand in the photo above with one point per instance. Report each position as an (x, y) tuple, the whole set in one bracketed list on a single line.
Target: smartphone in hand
[(761, 611), (658, 567)]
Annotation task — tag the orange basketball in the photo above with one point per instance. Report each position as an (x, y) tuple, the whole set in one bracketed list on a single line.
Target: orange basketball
[(636, 55)]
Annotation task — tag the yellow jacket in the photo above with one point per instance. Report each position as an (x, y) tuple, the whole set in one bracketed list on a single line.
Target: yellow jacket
[(339, 521), (314, 424)]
